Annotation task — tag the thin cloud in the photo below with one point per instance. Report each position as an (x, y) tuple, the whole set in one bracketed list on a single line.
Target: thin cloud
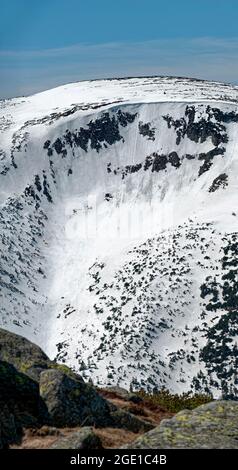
[(29, 71), (160, 44)]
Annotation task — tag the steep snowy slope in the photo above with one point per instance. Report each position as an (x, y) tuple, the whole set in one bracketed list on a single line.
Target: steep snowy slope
[(119, 222)]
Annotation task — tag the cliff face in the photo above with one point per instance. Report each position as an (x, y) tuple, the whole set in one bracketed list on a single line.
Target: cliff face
[(119, 230)]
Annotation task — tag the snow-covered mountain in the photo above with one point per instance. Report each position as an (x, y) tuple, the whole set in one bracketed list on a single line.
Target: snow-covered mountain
[(119, 221)]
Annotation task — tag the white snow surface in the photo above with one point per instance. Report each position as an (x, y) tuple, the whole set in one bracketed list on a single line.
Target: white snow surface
[(119, 221)]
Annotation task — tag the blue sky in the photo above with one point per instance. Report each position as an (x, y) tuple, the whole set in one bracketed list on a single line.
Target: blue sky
[(47, 43)]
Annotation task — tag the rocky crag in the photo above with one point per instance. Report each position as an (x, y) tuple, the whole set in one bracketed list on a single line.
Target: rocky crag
[(47, 404)]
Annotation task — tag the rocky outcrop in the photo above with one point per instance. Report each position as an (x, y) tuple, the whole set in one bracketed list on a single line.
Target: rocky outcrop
[(105, 129), (61, 398), (210, 426), (84, 438), (220, 181), (35, 391), (25, 356), (72, 402)]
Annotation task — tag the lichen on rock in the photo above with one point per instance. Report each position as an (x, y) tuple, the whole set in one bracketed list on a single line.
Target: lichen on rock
[(210, 426)]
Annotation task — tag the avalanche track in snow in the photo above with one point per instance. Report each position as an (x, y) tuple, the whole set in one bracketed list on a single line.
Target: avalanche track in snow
[(119, 222)]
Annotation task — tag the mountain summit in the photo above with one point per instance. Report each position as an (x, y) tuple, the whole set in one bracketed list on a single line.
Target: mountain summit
[(119, 223)]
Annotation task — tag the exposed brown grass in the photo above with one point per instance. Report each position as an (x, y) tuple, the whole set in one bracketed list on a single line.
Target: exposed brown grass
[(146, 410), (36, 442), (112, 438), (153, 408)]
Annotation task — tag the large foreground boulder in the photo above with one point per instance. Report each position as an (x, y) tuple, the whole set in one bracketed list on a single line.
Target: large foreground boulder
[(210, 426), (72, 402), (20, 404), (84, 438), (25, 356)]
